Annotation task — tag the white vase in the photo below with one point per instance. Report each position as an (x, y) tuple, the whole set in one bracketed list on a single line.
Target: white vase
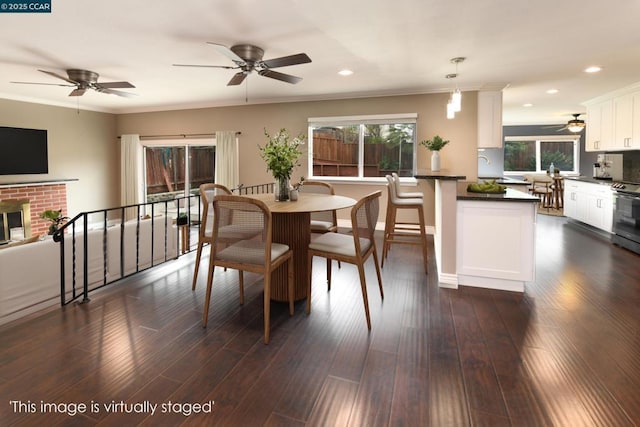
[(435, 161)]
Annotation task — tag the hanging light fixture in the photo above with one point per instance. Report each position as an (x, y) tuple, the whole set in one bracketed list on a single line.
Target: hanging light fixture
[(451, 114), (455, 101), (576, 125)]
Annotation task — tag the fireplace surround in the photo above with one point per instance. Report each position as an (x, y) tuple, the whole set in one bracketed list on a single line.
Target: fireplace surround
[(41, 195), (15, 215)]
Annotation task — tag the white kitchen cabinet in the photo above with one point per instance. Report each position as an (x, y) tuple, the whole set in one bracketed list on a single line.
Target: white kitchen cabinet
[(599, 126), (626, 111), (613, 121), (490, 119), (589, 203)]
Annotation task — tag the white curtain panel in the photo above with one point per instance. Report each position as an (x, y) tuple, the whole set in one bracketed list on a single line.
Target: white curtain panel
[(131, 170), (227, 167)]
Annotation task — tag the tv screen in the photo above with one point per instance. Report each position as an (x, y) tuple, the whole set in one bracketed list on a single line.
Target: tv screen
[(23, 151)]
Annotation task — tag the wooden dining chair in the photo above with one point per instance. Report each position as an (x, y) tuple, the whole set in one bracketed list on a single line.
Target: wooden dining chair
[(205, 236), (353, 249), (325, 221), (234, 216), (544, 189)]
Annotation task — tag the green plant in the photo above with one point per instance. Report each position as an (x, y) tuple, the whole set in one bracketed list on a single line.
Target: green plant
[(435, 144), (183, 218), (298, 185), (281, 153), (55, 217)]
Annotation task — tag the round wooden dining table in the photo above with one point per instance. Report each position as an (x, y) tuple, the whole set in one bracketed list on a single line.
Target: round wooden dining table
[(291, 225)]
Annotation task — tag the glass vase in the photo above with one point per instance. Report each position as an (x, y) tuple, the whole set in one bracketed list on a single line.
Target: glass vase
[(282, 189)]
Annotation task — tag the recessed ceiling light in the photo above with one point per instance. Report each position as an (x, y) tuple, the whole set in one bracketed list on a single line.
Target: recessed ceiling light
[(345, 72), (592, 69), (528, 104), (552, 91)]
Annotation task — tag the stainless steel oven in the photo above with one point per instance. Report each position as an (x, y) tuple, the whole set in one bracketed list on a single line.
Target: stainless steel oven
[(626, 220)]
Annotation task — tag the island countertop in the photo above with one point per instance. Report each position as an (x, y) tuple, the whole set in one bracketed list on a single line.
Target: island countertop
[(510, 195), (442, 175)]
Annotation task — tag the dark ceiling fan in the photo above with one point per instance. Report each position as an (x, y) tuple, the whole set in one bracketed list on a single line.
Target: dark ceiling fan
[(248, 58), (83, 80), (574, 125)]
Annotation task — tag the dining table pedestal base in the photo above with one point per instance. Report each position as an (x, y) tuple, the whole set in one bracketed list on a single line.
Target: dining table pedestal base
[(294, 230)]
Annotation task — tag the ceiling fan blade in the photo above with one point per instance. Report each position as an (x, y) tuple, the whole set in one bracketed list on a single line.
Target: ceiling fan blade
[(101, 89), (77, 92), (59, 76), (116, 85), (226, 67), (237, 79), (280, 76), (227, 52), (45, 84), (300, 58)]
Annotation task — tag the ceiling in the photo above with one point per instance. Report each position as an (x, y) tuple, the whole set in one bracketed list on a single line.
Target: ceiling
[(399, 47)]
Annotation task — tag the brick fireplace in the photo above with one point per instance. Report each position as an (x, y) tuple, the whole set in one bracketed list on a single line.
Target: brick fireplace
[(40, 197)]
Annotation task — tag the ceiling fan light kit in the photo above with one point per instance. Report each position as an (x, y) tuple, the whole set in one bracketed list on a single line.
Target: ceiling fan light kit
[(455, 100), (576, 125)]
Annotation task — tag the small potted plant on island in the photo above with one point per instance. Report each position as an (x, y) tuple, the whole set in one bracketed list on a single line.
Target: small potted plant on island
[(281, 154), (435, 145), (55, 217)]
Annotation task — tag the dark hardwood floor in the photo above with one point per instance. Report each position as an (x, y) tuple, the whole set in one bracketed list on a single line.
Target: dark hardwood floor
[(565, 353)]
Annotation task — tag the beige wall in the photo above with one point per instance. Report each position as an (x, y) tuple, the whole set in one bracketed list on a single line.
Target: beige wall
[(81, 146), (84, 146), (460, 156)]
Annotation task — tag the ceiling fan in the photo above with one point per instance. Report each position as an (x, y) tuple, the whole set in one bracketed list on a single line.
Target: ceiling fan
[(248, 58), (574, 125), (83, 80)]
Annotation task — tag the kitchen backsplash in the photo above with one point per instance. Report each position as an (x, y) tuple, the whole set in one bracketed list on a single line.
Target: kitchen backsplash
[(631, 166)]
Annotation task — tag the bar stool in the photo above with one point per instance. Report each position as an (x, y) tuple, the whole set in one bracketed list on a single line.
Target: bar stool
[(404, 194), (404, 233)]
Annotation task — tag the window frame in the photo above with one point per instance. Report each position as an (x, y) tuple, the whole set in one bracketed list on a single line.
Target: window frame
[(361, 121), (183, 142), (538, 139)]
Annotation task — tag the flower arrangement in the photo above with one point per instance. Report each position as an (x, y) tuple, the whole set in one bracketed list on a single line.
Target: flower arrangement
[(434, 144), (281, 153), (55, 217), (298, 185)]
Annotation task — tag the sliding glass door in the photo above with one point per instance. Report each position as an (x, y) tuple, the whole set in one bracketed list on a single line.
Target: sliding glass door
[(175, 170)]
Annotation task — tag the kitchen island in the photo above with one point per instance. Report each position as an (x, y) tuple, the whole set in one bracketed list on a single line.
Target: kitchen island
[(480, 239), (495, 239)]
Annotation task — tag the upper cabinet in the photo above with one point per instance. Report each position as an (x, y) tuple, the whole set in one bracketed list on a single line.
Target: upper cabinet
[(626, 110), (613, 121), (490, 119), (599, 126)]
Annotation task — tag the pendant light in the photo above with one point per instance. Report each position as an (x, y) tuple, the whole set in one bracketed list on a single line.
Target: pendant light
[(455, 101)]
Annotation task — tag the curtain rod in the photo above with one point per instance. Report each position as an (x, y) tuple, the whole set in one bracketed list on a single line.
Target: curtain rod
[(182, 135)]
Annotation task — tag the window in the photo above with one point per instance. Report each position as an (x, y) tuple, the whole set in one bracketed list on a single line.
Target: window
[(536, 153), (166, 168), (362, 146)]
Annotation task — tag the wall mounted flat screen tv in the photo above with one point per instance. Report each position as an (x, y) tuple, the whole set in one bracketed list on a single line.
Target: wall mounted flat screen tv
[(23, 151)]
